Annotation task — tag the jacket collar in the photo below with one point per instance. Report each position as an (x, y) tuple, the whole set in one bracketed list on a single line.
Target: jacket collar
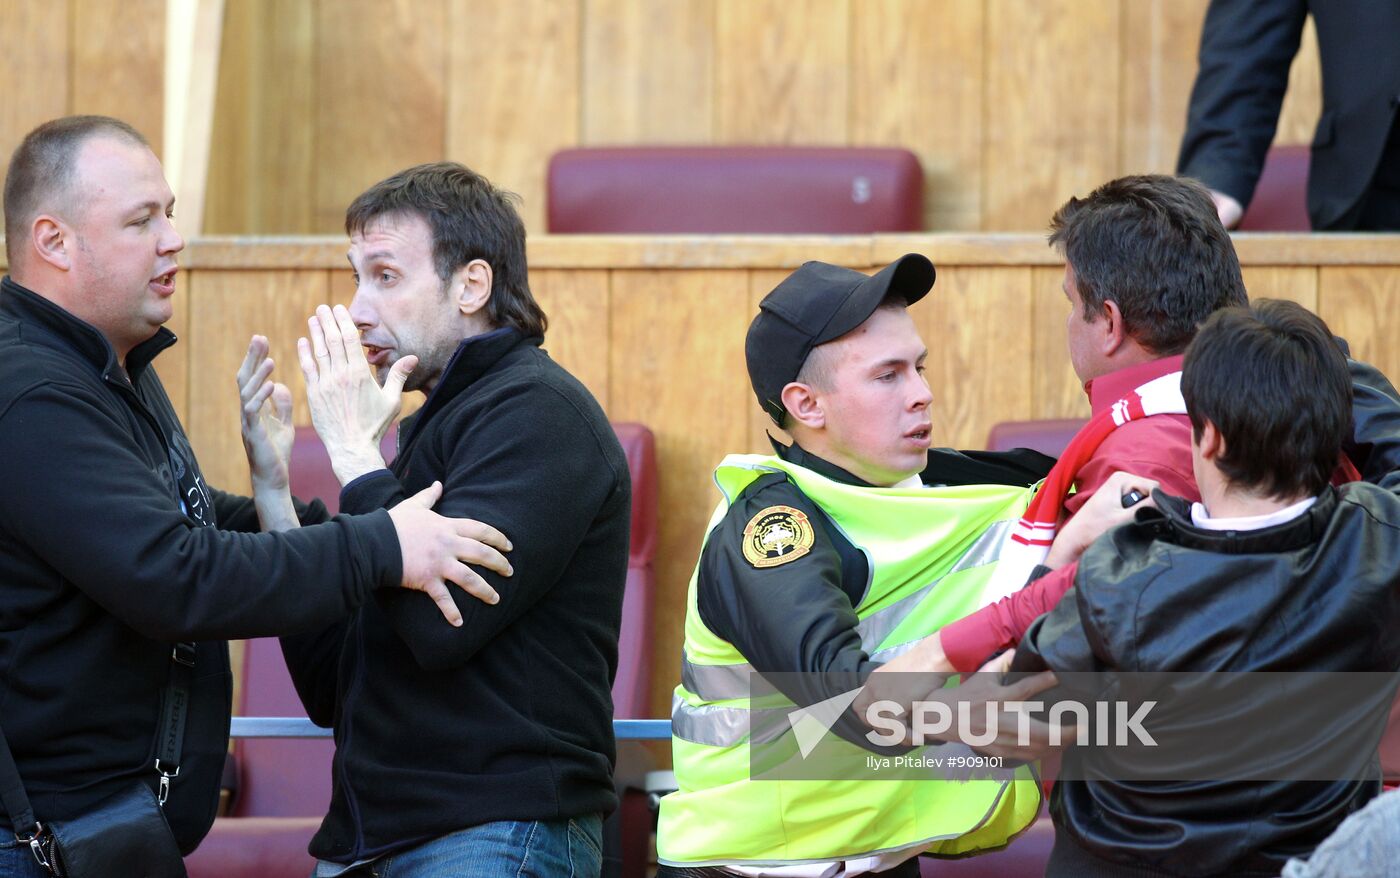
[(796, 454), (73, 333), (473, 359), (1174, 514), (1105, 390)]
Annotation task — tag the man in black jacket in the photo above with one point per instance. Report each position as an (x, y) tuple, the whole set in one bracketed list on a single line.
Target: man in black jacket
[(1273, 571), (114, 548), (1246, 49), (485, 749)]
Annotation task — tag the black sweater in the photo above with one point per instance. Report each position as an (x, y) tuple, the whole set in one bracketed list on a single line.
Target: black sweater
[(112, 548), (510, 716)]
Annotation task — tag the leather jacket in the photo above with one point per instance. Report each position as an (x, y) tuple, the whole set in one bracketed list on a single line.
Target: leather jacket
[(1320, 592)]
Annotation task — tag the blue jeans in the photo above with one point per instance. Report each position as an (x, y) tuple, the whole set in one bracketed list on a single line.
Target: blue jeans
[(526, 849), (17, 860)]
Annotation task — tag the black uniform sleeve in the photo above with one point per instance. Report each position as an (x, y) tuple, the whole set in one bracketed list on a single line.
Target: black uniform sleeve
[(77, 495), (1018, 467), (494, 476), (1247, 47), (788, 618)]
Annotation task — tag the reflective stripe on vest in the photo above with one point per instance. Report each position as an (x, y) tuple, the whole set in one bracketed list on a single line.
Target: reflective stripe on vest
[(729, 682), (930, 550)]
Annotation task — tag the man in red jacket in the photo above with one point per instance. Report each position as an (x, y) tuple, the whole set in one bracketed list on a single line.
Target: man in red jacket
[(1146, 261)]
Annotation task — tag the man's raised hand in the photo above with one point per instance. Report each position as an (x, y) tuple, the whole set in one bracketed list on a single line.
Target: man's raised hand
[(349, 408), (1103, 511), (266, 418)]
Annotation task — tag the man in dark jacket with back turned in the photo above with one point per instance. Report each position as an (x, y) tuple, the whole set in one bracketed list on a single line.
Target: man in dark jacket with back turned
[(1246, 49), (1274, 570), (112, 548), (486, 749)]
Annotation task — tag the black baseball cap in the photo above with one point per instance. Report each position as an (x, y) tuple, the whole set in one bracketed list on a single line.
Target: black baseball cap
[(813, 305)]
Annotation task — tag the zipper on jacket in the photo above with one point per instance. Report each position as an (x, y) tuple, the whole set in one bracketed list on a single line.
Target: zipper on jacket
[(134, 399), (343, 740)]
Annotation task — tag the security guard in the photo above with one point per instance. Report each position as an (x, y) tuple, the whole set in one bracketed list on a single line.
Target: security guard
[(821, 563)]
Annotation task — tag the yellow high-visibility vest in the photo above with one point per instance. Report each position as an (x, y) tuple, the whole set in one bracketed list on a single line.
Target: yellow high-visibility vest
[(930, 551)]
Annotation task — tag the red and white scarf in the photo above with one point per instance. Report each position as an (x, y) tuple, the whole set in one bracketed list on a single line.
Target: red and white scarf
[(1028, 542)]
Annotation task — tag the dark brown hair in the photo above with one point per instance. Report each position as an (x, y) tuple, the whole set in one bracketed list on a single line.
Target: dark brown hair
[(1275, 383), (470, 219), (1154, 245)]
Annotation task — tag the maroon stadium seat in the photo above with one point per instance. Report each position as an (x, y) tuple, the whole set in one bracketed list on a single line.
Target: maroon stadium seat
[(1390, 748), (1280, 202), (716, 190), (1048, 436), (632, 688)]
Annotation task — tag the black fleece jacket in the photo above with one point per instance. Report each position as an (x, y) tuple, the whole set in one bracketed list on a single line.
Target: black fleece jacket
[(112, 548), (510, 716)]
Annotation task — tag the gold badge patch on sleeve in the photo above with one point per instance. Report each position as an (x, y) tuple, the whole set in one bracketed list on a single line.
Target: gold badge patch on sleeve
[(777, 535)]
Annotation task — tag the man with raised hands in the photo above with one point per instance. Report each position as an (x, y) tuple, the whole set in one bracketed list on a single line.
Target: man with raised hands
[(123, 573), (485, 749)]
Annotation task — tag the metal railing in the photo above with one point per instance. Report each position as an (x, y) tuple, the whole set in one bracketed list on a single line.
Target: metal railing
[(301, 727)]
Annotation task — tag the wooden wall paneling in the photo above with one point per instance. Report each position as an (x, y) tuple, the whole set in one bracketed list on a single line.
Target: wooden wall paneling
[(919, 84), (1302, 104), (697, 251), (677, 357), (1056, 391), (119, 63), (1160, 42), (1341, 248), (1362, 305), (237, 650), (35, 44), (1282, 282), (260, 164), (995, 248), (173, 365), (782, 71), (648, 72), (227, 308), (577, 305), (193, 35), (1052, 106), (513, 91), (976, 323), (380, 95)]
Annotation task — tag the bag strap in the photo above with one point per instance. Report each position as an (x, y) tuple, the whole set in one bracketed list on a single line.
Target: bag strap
[(174, 708), (170, 741), (13, 795)]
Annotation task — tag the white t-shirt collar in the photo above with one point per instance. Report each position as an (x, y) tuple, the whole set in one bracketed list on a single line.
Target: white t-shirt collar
[(1200, 518)]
